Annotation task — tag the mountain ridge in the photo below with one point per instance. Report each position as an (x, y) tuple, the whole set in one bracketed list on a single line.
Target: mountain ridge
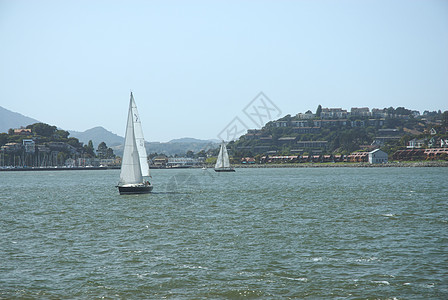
[(98, 134), (10, 119)]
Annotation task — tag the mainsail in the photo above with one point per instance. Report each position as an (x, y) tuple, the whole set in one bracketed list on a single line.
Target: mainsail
[(139, 139), (131, 172), (223, 158)]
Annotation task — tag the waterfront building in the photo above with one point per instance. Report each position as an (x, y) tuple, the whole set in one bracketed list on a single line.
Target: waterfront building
[(377, 157), (182, 162)]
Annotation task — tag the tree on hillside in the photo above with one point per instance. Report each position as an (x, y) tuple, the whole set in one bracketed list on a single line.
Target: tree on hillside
[(42, 129), (445, 118), (318, 110), (104, 152), (89, 150), (3, 139), (403, 111), (390, 111), (74, 142), (201, 154), (62, 134)]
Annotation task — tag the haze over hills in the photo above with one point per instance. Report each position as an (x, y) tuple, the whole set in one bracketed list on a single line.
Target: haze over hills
[(10, 119), (97, 135), (175, 146)]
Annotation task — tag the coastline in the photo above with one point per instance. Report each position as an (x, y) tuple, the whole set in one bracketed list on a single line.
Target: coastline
[(407, 164), (56, 169), (413, 164)]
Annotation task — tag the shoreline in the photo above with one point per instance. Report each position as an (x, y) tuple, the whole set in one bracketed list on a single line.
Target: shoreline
[(56, 169), (408, 164), (416, 164)]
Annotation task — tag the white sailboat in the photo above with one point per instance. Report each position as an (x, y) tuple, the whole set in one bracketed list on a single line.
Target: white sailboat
[(222, 162), (134, 165)]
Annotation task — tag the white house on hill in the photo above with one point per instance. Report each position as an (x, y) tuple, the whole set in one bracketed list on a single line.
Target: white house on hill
[(377, 157)]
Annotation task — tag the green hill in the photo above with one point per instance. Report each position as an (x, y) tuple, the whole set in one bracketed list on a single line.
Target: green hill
[(291, 135)]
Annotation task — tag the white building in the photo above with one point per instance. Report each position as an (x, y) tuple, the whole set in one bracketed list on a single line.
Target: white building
[(333, 113), (414, 143), (360, 111), (377, 157), (30, 145), (306, 116), (182, 162)]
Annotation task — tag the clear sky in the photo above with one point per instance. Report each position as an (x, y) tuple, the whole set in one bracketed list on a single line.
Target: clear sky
[(195, 65)]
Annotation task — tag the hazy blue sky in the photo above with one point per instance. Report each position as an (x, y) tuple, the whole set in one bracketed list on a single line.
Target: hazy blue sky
[(194, 65)]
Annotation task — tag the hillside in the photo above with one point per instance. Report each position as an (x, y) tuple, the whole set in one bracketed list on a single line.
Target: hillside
[(174, 147), (293, 135), (97, 135), (10, 119)]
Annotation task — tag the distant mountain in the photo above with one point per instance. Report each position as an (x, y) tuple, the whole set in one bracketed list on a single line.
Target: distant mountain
[(98, 135), (176, 146), (192, 140), (172, 148), (10, 119)]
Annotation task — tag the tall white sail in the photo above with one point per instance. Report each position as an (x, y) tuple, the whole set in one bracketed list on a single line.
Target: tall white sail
[(223, 158), (219, 163), (130, 166), (139, 139)]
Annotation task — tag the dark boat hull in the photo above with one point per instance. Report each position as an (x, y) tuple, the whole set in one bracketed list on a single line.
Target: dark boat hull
[(130, 190), (224, 170)]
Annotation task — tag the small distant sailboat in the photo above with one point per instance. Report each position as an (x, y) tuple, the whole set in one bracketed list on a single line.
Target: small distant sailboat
[(134, 166), (223, 163)]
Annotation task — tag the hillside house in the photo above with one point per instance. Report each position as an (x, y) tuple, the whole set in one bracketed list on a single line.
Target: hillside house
[(306, 116), (379, 113), (300, 123), (360, 111), (22, 131), (333, 113), (280, 123), (415, 143), (287, 139), (11, 147), (312, 144), (303, 130), (29, 145)]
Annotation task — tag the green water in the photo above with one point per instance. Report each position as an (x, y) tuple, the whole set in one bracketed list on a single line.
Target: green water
[(326, 233)]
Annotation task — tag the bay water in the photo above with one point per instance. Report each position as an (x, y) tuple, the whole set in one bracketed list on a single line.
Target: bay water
[(304, 233)]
